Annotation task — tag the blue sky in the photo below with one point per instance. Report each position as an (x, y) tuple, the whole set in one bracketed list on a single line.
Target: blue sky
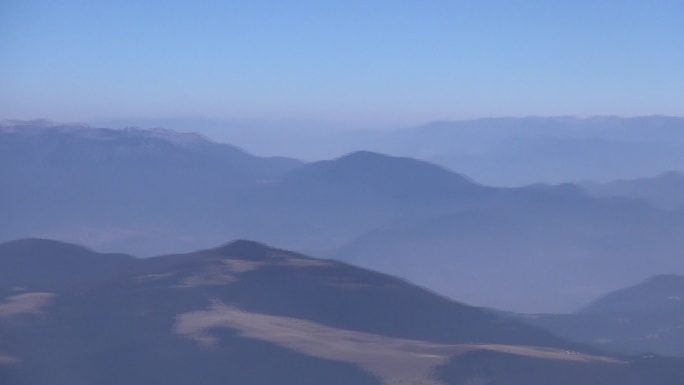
[(358, 63)]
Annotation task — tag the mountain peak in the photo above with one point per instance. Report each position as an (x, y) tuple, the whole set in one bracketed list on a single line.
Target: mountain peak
[(246, 249), (369, 158), (363, 154), (373, 167)]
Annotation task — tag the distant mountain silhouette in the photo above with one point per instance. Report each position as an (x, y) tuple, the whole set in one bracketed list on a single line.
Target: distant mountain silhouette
[(363, 178), (253, 314), (506, 151), (372, 176), (665, 190), (646, 318), (327, 204), (519, 151), (84, 146)]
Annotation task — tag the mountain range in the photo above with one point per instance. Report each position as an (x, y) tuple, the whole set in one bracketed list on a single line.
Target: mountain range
[(547, 248), (519, 151), (247, 313), (79, 183), (502, 151)]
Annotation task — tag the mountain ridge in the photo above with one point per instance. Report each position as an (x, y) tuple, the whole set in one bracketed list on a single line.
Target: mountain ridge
[(646, 318), (424, 220)]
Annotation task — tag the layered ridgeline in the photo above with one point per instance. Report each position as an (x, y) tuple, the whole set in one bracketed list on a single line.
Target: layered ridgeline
[(497, 151), (531, 249), (247, 313), (641, 319), (665, 190), (122, 188), (519, 151)]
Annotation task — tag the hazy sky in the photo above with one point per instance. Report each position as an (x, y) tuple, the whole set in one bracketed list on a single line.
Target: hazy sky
[(358, 62)]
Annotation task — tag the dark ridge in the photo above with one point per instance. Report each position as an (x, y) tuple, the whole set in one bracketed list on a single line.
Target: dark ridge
[(48, 262), (42, 247), (375, 160), (369, 176), (241, 248)]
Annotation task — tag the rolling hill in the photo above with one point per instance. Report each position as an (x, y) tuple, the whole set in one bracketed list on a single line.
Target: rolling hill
[(248, 313)]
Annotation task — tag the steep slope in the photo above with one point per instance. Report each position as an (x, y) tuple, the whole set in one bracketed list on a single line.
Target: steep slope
[(646, 318)]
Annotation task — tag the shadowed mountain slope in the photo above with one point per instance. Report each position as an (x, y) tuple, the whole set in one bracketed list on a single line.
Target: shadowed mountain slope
[(248, 313), (260, 279)]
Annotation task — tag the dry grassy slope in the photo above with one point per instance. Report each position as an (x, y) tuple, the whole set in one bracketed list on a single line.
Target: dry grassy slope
[(247, 313)]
